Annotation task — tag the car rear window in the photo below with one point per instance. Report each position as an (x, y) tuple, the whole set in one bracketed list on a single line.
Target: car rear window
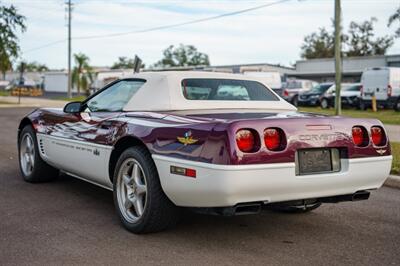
[(226, 90)]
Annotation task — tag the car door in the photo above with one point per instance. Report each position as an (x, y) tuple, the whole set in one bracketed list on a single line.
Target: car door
[(80, 144)]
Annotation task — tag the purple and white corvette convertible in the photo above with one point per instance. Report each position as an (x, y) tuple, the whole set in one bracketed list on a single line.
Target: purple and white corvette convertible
[(216, 143)]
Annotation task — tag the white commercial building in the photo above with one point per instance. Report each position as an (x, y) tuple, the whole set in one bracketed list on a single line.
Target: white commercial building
[(56, 82)]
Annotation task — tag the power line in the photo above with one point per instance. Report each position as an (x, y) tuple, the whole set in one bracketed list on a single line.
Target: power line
[(165, 26), (44, 46), (181, 24)]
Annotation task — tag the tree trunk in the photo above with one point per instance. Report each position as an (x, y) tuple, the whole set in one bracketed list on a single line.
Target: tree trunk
[(79, 85)]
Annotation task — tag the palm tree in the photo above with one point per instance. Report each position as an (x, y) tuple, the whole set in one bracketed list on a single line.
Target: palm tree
[(82, 73)]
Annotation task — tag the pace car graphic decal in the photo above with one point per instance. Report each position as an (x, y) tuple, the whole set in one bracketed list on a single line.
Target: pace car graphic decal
[(187, 139)]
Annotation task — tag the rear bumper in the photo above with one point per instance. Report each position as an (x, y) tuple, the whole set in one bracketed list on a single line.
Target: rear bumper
[(287, 98), (228, 185)]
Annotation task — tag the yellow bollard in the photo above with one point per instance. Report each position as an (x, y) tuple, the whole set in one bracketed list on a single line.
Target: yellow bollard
[(374, 107)]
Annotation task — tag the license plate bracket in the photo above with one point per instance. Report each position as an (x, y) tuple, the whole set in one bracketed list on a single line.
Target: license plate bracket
[(317, 161)]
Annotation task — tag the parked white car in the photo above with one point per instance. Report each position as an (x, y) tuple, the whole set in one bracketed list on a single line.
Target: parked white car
[(349, 94), (384, 83)]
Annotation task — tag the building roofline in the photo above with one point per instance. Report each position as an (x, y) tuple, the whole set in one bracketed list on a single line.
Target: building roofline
[(348, 58), (253, 64)]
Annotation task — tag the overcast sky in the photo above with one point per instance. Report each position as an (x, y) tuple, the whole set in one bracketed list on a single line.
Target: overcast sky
[(269, 35)]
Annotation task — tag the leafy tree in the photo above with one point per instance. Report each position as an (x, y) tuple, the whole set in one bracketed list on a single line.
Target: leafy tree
[(361, 42), (183, 55), (82, 74), (32, 66), (10, 23), (318, 45), (124, 63), (5, 64), (392, 19)]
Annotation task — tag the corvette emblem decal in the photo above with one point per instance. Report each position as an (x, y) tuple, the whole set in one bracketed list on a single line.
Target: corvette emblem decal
[(187, 138), (381, 152)]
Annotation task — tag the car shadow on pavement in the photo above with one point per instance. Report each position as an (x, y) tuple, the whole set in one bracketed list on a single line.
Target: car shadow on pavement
[(265, 223)]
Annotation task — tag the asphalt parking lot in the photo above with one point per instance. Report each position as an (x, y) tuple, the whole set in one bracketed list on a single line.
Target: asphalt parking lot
[(72, 222)]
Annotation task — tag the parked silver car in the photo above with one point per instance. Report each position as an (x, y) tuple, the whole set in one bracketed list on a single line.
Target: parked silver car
[(294, 87)]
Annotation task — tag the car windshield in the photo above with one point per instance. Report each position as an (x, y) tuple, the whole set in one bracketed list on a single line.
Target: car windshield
[(321, 88), (226, 90), (345, 87), (114, 97), (353, 88), (332, 89)]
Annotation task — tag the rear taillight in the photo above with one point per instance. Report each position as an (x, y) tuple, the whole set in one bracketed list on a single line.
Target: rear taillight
[(245, 140), (286, 93), (389, 90), (360, 136), (378, 136), (274, 139)]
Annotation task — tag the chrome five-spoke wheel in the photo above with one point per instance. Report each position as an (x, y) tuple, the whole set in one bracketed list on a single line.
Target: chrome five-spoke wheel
[(32, 166), (131, 190), (139, 198), (27, 154)]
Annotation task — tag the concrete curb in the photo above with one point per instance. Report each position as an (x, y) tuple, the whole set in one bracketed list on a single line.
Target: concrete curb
[(393, 181), (12, 105)]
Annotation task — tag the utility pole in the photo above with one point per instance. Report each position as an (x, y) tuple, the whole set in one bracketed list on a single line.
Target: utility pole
[(69, 95), (338, 60), (21, 80)]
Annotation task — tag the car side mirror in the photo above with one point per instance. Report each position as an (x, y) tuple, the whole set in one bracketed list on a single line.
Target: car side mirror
[(72, 107)]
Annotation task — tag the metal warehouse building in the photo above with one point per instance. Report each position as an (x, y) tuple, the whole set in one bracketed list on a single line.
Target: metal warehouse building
[(321, 70)]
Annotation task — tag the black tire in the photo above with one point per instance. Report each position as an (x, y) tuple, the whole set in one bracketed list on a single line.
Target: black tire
[(295, 100), (324, 103), (159, 212), (362, 106), (296, 209), (397, 105), (41, 171)]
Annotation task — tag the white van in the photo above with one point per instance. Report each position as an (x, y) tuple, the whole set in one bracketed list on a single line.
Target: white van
[(384, 83), (272, 79)]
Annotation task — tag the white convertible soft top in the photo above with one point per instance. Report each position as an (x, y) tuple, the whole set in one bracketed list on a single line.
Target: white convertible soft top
[(163, 92)]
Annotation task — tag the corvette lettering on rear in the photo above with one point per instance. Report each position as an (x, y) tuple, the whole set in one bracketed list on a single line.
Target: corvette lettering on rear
[(319, 137)]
